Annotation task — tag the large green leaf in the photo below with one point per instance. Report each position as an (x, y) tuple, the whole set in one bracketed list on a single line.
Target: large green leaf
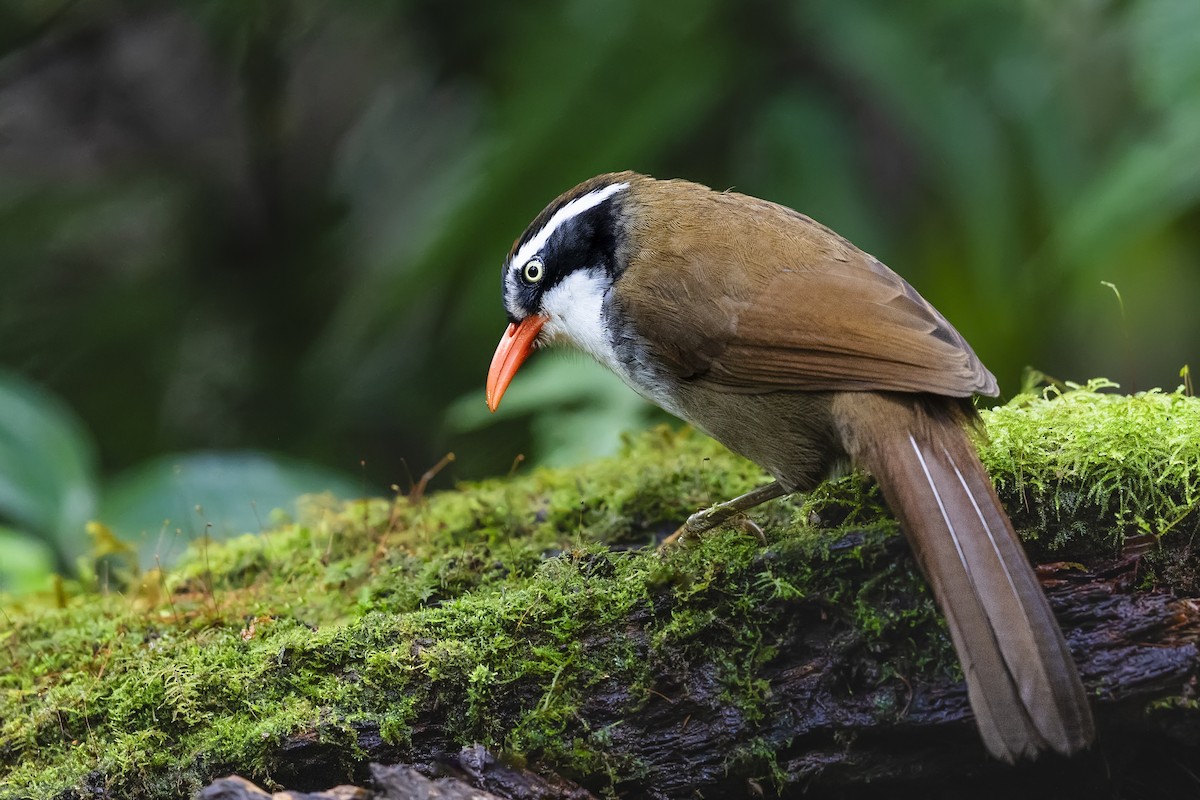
[(165, 503), (47, 466), (578, 409), (25, 562)]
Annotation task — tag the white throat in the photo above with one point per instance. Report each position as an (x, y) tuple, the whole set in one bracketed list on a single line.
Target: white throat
[(575, 314)]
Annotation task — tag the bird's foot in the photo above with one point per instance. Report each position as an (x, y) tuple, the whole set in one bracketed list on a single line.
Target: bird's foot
[(698, 524), (703, 521), (710, 518)]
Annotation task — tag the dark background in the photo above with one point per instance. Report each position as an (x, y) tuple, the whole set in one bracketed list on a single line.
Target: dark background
[(277, 227)]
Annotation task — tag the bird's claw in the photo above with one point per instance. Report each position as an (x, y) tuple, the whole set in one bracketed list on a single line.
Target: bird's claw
[(705, 520)]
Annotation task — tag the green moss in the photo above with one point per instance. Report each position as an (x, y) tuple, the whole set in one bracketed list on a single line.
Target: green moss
[(505, 606), (1094, 466)]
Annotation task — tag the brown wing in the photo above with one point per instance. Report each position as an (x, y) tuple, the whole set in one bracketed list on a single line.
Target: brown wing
[(787, 304), (847, 325)]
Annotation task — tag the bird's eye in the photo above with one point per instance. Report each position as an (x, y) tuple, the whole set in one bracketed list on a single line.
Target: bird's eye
[(533, 271)]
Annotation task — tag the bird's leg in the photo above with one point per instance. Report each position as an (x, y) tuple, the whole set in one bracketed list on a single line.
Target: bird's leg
[(710, 518)]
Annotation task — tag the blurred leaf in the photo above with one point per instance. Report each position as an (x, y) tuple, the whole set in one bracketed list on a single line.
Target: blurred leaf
[(25, 562), (939, 103), (1154, 178), (820, 177), (579, 409), (47, 468), (310, 201), (167, 502), (1167, 60), (105, 541)]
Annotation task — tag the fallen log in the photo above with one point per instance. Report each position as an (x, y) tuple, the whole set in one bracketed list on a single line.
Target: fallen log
[(533, 618)]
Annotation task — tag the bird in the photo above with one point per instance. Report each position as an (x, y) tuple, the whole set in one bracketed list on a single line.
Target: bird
[(797, 350)]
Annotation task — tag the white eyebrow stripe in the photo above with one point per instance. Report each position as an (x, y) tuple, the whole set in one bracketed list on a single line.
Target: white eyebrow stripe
[(572, 209)]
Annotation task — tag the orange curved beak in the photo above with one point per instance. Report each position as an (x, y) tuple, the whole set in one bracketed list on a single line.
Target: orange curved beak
[(515, 346)]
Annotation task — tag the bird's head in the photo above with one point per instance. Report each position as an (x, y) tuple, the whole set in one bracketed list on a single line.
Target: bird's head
[(559, 273)]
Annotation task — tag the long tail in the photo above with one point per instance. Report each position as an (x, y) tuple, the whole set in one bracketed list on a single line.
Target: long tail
[(1021, 681)]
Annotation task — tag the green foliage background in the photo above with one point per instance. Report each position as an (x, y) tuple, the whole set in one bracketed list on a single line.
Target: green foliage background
[(277, 227)]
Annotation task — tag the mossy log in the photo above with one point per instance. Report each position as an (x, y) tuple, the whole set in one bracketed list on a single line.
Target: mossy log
[(830, 724), (533, 618)]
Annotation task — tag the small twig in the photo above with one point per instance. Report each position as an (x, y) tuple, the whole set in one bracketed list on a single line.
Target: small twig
[(516, 463), (208, 583), (908, 700), (418, 491), (162, 580), (663, 696), (1124, 328), (362, 491), (412, 486)]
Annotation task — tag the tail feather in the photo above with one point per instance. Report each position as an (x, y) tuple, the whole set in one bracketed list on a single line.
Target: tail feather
[(1022, 683)]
